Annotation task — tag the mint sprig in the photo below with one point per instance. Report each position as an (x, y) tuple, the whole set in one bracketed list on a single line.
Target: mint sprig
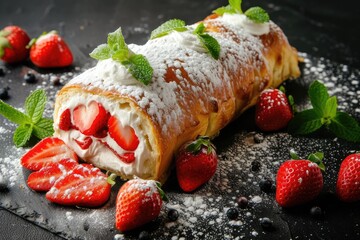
[(167, 27), (255, 14), (31, 122), (324, 113), (117, 49), (209, 42)]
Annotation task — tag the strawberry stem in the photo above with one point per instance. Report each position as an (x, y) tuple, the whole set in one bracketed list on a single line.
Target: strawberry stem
[(111, 179)]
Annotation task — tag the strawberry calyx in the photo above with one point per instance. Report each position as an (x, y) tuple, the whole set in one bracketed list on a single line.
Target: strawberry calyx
[(290, 99), (161, 192), (4, 42), (111, 178), (201, 141), (316, 157), (33, 41)]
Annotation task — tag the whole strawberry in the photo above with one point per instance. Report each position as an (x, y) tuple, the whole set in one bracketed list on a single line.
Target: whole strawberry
[(13, 41), (50, 51), (138, 202), (299, 181), (196, 163), (273, 111), (348, 182)]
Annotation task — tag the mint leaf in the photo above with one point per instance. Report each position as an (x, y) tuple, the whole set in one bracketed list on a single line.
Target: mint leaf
[(167, 27), (200, 28), (305, 122), (346, 127), (211, 44), (35, 105), (116, 48), (13, 114), (43, 128), (140, 68), (330, 108), (22, 134), (236, 5), (257, 15), (116, 40), (121, 55), (101, 52), (227, 9), (318, 96)]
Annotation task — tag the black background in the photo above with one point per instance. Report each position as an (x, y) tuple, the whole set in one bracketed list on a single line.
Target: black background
[(322, 28)]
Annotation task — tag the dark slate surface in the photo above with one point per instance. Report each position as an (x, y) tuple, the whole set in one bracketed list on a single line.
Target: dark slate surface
[(327, 33)]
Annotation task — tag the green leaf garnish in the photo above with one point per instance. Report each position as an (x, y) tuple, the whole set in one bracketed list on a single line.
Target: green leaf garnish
[(116, 49), (167, 27), (324, 113), (140, 68), (22, 134), (31, 122), (209, 42), (35, 105), (255, 14)]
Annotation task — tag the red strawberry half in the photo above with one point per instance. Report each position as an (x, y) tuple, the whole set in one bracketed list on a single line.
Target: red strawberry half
[(45, 178), (299, 181), (13, 41), (65, 120), (348, 182), (46, 152), (196, 164), (124, 136), (91, 118), (49, 51), (273, 111), (84, 186), (138, 202)]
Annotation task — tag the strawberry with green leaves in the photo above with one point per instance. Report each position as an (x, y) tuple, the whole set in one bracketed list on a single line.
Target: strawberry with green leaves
[(299, 181), (138, 202), (348, 182), (324, 113), (273, 110), (13, 41), (50, 51), (196, 163)]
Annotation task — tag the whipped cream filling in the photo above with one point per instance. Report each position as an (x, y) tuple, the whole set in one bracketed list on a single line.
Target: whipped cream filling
[(98, 153), (240, 20), (188, 39), (110, 70)]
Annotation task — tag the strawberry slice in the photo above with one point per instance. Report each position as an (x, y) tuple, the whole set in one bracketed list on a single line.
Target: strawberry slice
[(84, 144), (91, 118), (47, 151), (84, 186), (45, 178), (124, 136), (127, 157), (65, 120)]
